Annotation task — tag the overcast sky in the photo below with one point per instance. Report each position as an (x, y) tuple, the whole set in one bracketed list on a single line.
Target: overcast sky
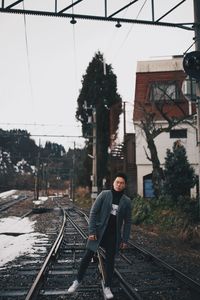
[(43, 59)]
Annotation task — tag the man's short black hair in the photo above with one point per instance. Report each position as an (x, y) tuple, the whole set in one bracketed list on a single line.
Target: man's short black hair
[(121, 174)]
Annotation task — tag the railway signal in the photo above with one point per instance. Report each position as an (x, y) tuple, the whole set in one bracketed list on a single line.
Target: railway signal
[(191, 64)]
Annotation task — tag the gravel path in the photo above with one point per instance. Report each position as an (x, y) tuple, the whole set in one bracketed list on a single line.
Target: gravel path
[(182, 255)]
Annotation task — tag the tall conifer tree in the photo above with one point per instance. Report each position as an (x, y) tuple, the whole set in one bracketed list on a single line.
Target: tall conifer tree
[(99, 91), (179, 174)]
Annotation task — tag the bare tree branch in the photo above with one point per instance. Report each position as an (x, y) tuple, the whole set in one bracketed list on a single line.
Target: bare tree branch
[(147, 156), (151, 113)]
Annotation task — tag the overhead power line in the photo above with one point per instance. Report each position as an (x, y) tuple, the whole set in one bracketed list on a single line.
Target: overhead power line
[(36, 124), (51, 135)]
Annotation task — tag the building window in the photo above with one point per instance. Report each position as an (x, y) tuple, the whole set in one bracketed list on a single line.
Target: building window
[(178, 134), (148, 186), (164, 91)]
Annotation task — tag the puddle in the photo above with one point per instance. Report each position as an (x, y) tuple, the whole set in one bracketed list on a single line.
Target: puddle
[(12, 233), (15, 224)]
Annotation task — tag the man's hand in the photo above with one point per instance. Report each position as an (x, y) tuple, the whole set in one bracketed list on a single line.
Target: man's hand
[(92, 237), (123, 246)]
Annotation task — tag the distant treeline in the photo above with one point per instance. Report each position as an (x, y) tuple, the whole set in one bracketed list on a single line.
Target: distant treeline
[(22, 161)]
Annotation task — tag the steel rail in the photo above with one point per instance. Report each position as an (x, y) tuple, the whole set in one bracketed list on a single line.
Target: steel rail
[(184, 278), (79, 229), (10, 203), (130, 292), (84, 214), (127, 288), (99, 254), (35, 288)]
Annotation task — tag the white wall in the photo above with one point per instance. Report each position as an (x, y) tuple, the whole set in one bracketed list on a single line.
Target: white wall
[(163, 141)]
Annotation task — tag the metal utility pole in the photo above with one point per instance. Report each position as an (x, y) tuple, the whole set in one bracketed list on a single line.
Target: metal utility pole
[(73, 175), (94, 155), (124, 112), (197, 47), (37, 178), (92, 119), (124, 139)]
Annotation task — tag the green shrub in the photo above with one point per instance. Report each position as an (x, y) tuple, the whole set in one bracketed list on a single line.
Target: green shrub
[(141, 210), (165, 212)]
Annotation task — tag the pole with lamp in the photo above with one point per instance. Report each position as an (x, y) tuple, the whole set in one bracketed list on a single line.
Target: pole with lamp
[(124, 139), (191, 65), (93, 156), (197, 67)]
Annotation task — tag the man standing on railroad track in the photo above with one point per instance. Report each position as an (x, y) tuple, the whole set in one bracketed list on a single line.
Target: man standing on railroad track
[(109, 227)]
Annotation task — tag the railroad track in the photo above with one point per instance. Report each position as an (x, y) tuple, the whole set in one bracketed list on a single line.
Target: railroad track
[(12, 201), (60, 267), (142, 275), (18, 277), (138, 273), (152, 278)]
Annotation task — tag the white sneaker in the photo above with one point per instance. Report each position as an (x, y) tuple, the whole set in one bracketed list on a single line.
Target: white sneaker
[(107, 293), (73, 287)]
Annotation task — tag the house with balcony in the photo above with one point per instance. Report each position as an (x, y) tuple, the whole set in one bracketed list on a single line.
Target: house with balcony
[(159, 95)]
